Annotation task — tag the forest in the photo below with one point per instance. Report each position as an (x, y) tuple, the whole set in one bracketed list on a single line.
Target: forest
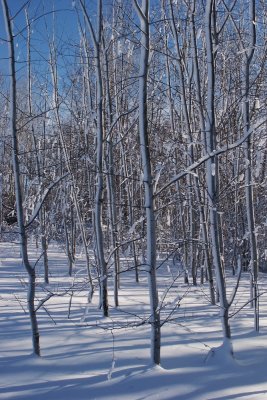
[(133, 140)]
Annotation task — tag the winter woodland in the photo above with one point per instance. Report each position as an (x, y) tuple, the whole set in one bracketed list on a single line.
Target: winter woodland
[(133, 166)]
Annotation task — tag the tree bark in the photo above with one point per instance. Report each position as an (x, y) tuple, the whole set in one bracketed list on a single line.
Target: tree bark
[(98, 210), (200, 196), (16, 169), (212, 179), (143, 13), (247, 59)]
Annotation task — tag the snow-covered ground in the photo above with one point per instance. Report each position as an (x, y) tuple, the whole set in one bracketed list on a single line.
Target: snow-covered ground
[(87, 357)]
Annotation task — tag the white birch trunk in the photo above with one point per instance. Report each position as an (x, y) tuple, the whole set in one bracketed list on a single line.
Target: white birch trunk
[(247, 59), (143, 13), (111, 187), (44, 241), (186, 114), (212, 181), (16, 168), (96, 39), (200, 196)]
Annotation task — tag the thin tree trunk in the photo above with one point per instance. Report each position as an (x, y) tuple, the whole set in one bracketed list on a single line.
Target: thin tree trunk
[(248, 56), (68, 245), (181, 211), (16, 168), (212, 180), (143, 13), (44, 241), (69, 168), (200, 196), (96, 39), (111, 189)]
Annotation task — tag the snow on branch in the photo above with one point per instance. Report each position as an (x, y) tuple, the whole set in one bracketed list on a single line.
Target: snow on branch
[(214, 153), (40, 203), (139, 10)]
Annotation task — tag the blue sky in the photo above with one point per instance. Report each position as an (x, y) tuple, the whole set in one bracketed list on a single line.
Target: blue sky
[(40, 12)]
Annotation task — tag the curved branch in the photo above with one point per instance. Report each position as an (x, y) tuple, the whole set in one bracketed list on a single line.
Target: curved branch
[(206, 157), (41, 202)]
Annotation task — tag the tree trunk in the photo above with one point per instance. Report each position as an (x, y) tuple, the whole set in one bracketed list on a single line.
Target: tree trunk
[(56, 105), (98, 210), (212, 180), (143, 13), (200, 196), (248, 56), (44, 241), (111, 189), (16, 169)]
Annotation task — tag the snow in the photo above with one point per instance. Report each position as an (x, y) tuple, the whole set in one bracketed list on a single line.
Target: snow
[(88, 357)]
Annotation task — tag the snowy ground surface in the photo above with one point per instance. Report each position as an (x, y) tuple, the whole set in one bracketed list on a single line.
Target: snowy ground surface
[(87, 357)]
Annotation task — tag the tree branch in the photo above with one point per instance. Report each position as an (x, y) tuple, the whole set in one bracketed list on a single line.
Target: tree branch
[(40, 203), (206, 157)]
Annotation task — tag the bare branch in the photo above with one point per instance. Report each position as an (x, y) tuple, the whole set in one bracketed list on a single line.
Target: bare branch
[(214, 153), (41, 202)]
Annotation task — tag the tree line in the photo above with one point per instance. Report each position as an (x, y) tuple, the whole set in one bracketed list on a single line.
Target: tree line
[(145, 134)]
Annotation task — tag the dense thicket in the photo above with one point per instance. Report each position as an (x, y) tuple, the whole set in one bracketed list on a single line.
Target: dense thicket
[(157, 106)]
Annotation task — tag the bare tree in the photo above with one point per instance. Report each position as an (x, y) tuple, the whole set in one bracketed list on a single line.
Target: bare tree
[(246, 101), (56, 107), (44, 240), (212, 176), (17, 174), (143, 14), (96, 37)]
